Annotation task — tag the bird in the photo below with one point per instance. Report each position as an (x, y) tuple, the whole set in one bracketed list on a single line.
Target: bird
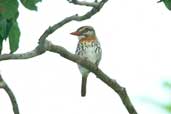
[(89, 48)]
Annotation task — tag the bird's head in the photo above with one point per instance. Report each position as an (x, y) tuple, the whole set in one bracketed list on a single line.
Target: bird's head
[(84, 31)]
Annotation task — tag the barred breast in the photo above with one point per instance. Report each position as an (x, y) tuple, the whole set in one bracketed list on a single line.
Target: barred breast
[(91, 51)]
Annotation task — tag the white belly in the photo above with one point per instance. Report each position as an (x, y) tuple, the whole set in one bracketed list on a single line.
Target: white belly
[(90, 53)]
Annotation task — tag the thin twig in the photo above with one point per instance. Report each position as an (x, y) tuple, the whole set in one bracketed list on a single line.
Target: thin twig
[(75, 17), (84, 3), (35, 52), (11, 95), (159, 1)]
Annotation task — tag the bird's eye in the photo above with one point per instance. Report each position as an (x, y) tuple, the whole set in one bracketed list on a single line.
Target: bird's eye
[(85, 30)]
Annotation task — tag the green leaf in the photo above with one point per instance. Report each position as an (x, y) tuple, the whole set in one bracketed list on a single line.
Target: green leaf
[(5, 26), (14, 36), (8, 8), (167, 3), (1, 41), (30, 4), (167, 84), (167, 107), (8, 27)]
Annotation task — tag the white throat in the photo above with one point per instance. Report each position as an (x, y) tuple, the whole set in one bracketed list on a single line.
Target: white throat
[(80, 37)]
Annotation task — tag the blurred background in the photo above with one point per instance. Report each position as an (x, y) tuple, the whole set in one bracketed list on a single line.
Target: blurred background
[(136, 43)]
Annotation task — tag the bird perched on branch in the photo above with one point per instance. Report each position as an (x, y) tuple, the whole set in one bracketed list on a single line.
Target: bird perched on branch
[(89, 48)]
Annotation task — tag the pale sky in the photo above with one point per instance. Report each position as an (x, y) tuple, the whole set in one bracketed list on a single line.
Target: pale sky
[(135, 39)]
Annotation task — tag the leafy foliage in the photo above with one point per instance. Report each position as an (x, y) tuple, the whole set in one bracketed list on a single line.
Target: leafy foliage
[(1, 40), (5, 26), (167, 3), (30, 4), (8, 8), (8, 15), (8, 21), (14, 35), (167, 84), (167, 106)]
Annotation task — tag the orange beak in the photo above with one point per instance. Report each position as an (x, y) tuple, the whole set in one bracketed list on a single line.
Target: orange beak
[(75, 33)]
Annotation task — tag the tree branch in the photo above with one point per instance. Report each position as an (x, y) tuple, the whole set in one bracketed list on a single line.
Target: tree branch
[(4, 86), (75, 17), (48, 46), (83, 3), (35, 52), (44, 45), (121, 91)]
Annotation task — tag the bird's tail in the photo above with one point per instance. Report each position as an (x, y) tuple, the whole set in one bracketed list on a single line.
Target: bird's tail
[(83, 86)]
